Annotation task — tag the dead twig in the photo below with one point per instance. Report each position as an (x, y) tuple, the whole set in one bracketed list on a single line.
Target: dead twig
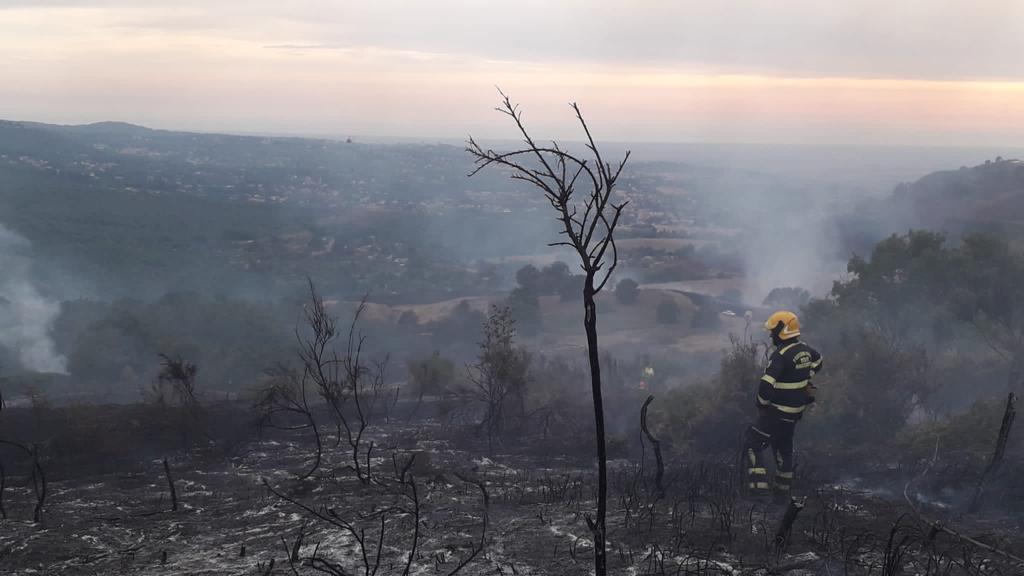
[(1000, 452), (170, 486), (483, 530), (935, 526), (656, 445), (38, 477), (785, 528)]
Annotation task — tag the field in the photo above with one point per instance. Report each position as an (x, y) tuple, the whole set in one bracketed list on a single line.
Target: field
[(630, 329)]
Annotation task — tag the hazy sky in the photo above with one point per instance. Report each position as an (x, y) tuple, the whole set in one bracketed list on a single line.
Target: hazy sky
[(807, 71)]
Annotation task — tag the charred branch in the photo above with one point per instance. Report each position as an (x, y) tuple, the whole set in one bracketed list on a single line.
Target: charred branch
[(999, 454), (37, 477), (170, 486), (371, 549), (482, 545), (656, 446), (180, 374), (342, 381), (785, 529), (935, 527), (286, 397)]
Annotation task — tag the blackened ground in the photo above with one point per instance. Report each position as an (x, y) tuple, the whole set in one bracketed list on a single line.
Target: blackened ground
[(538, 495)]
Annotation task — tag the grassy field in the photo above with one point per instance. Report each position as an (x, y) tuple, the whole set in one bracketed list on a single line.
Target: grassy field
[(628, 329)]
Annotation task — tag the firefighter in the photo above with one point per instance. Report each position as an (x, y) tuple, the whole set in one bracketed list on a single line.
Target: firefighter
[(783, 393)]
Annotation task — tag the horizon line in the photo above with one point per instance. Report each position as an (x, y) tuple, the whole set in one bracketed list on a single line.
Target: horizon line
[(451, 140)]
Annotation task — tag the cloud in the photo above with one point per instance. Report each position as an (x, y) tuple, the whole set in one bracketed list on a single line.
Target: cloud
[(758, 71), (921, 39)]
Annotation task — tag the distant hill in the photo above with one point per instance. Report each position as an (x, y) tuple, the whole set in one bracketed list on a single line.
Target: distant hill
[(96, 128), (128, 210), (252, 168), (19, 139), (131, 210), (989, 197)]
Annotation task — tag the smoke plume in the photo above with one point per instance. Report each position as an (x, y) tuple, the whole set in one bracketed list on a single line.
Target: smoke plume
[(26, 316)]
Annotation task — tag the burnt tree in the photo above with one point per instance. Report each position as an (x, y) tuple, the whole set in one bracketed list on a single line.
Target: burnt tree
[(345, 382), (3, 486), (580, 190), (1000, 452), (170, 486), (286, 396), (500, 375), (37, 477), (180, 374), (659, 473)]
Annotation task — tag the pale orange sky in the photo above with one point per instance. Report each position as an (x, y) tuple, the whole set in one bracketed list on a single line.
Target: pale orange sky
[(799, 71)]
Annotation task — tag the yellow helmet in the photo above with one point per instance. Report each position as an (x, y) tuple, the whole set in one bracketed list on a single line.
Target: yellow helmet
[(790, 324)]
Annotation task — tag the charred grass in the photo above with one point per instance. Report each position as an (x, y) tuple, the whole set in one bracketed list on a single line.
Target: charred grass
[(439, 502)]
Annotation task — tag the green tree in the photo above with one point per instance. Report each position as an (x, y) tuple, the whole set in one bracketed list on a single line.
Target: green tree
[(528, 277), (988, 294), (787, 298), (901, 286), (431, 375), (885, 322), (500, 377), (554, 276), (627, 291), (525, 308)]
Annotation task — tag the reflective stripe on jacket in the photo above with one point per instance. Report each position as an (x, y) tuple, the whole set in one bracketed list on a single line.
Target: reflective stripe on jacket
[(787, 378)]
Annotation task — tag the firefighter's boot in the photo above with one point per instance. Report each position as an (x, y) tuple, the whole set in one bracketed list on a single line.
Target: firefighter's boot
[(783, 485), (757, 475)]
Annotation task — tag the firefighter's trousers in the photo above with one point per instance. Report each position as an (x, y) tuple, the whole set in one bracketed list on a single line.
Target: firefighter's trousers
[(775, 430)]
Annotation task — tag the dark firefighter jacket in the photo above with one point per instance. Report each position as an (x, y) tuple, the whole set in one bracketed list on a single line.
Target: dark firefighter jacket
[(786, 387)]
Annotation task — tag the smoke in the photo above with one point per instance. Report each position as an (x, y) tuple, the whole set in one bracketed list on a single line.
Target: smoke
[(794, 214), (801, 253), (784, 225), (26, 316)]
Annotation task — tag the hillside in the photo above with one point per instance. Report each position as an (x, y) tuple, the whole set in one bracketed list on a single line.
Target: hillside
[(129, 211), (987, 196)]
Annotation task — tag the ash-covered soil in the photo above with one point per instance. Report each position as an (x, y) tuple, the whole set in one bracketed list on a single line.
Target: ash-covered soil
[(520, 510)]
